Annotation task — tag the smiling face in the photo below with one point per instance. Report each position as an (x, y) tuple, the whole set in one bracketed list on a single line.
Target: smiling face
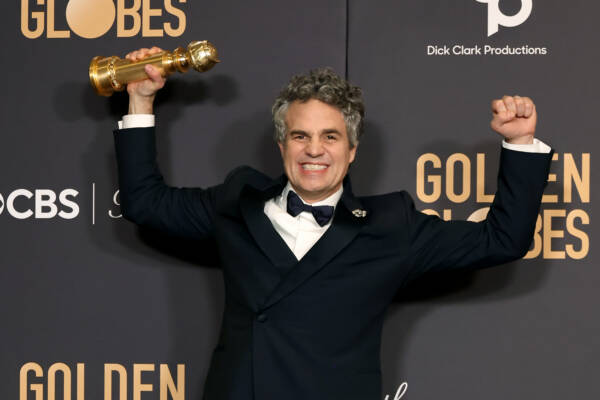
[(316, 151)]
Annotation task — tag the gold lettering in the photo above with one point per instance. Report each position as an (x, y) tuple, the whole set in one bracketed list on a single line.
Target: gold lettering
[(435, 180), (549, 234), (429, 211), (447, 215), (108, 370), (80, 381), (37, 388), (148, 12), (479, 215), (466, 178), (582, 236), (481, 196), (138, 387), (551, 198), (180, 17), (581, 180), (66, 371), (52, 33), (37, 16), (132, 12), (166, 382), (537, 240)]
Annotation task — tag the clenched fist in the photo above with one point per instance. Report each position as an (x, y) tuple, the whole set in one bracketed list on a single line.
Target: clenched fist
[(142, 93), (514, 117)]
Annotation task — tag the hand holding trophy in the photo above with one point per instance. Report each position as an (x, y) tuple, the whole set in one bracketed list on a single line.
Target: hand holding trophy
[(111, 74)]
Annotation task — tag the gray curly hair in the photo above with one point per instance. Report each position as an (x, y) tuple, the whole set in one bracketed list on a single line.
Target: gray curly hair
[(325, 85)]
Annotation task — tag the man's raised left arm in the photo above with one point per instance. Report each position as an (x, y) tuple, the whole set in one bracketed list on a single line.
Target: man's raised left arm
[(507, 232)]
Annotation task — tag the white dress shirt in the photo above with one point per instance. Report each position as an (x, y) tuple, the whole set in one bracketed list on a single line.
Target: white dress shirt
[(301, 232)]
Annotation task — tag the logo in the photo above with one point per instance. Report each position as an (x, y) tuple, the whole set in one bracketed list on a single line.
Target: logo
[(496, 17), (41, 204), (91, 19), (59, 380)]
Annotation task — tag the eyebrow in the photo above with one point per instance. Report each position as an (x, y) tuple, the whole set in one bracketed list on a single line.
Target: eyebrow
[(300, 131), (324, 131)]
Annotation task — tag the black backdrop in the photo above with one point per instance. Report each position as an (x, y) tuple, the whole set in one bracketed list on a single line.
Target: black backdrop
[(81, 286)]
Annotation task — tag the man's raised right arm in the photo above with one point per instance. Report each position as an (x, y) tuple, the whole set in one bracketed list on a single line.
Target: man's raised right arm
[(144, 196)]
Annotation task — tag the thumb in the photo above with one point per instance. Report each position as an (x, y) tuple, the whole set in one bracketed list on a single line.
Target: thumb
[(153, 73)]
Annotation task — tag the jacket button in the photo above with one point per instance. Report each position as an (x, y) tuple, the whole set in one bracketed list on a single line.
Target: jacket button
[(262, 317)]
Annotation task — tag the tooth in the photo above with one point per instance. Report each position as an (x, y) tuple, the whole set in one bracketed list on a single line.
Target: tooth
[(313, 167)]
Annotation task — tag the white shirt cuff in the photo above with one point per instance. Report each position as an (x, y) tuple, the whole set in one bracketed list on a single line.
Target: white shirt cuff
[(136, 121), (536, 147)]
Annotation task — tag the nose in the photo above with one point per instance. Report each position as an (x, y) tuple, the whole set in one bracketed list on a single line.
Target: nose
[(314, 147)]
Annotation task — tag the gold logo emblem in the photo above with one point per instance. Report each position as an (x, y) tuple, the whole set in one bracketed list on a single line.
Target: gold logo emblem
[(90, 19)]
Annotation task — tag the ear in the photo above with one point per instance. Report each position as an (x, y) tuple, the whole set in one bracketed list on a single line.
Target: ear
[(281, 148), (353, 154)]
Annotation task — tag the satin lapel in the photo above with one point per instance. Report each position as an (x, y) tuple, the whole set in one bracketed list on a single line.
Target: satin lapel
[(270, 242), (343, 230)]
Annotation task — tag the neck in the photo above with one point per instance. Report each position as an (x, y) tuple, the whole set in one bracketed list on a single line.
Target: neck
[(312, 197)]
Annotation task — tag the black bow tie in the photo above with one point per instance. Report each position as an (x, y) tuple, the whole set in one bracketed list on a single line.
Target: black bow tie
[(295, 206)]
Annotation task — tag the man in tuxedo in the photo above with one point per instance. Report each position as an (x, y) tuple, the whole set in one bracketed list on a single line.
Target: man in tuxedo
[(309, 268)]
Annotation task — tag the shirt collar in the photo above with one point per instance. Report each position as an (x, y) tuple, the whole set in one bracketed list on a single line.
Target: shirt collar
[(332, 200)]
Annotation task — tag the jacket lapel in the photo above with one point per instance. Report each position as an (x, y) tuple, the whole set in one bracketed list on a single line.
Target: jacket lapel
[(268, 240), (347, 221)]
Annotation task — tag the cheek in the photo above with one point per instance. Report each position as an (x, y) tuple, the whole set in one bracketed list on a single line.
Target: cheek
[(288, 156)]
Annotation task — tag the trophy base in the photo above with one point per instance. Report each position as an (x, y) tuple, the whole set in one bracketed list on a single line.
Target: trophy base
[(102, 76)]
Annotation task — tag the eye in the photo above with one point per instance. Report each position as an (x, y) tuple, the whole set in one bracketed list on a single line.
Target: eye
[(331, 138)]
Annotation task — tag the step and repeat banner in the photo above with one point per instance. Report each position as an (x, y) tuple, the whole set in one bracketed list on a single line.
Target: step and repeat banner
[(430, 70), (92, 307)]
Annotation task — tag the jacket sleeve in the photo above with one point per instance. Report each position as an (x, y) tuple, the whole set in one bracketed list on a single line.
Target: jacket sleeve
[(145, 198), (505, 235)]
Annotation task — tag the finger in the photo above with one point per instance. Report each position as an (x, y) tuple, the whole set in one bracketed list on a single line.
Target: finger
[(132, 55), (529, 107), (136, 55), (139, 54), (520, 105), (144, 52), (509, 102), (155, 50), (502, 118), (498, 106)]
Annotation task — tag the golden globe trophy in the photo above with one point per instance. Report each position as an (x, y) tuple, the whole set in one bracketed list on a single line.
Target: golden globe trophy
[(112, 74)]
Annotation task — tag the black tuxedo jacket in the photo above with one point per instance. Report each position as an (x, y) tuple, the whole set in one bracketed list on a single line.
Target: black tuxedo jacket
[(311, 329)]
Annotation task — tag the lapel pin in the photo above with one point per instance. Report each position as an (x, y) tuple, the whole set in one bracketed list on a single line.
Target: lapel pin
[(359, 213)]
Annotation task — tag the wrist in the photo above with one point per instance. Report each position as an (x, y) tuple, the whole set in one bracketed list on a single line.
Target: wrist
[(527, 139), (141, 105)]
